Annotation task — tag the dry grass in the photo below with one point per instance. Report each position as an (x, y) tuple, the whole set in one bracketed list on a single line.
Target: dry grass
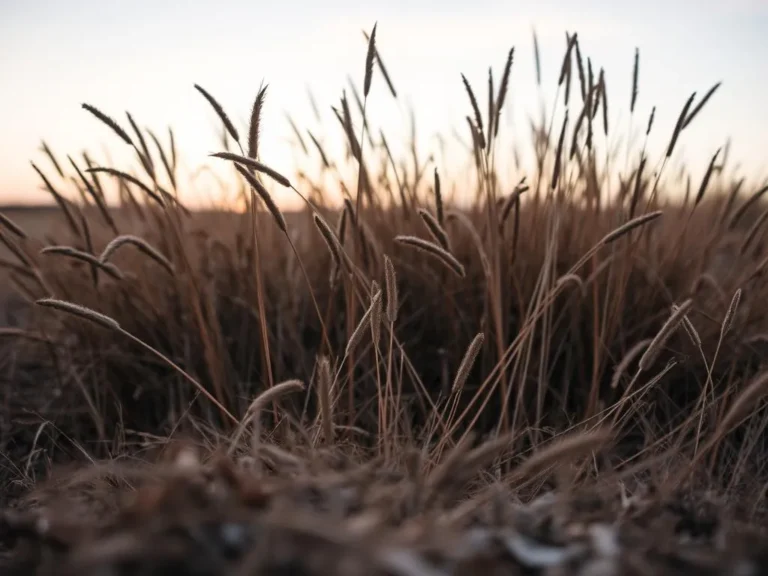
[(559, 322)]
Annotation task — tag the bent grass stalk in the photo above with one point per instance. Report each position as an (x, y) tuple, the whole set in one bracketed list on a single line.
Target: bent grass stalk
[(260, 403), (434, 250), (111, 324)]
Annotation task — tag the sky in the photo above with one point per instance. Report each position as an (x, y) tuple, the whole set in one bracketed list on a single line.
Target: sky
[(144, 56)]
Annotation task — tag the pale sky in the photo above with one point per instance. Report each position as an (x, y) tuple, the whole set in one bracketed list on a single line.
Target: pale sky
[(145, 55)]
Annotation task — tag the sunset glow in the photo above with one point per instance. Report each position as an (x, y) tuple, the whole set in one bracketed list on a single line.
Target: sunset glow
[(144, 57)]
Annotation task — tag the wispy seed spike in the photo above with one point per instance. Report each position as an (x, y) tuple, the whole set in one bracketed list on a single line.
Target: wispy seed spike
[(76, 254), (576, 130), (323, 157), (650, 121), (433, 249), (144, 156), (638, 186), (109, 122), (687, 190), (439, 200), (376, 308), (259, 188), (732, 309), (16, 250), (383, 68), (568, 448), (313, 104), (591, 104), (744, 404), (510, 201), (297, 133), (476, 110), (559, 157), (369, 62), (680, 124), (357, 334), (164, 159), (491, 113), (48, 152), (475, 138), (604, 92), (255, 164), (503, 87), (663, 335), (341, 228), (132, 179), (141, 244), (700, 105), (391, 286), (580, 66), (80, 311), (273, 393), (349, 208), (467, 362), (693, 334), (59, 200), (324, 384), (598, 95), (95, 177), (173, 148), (356, 96), (12, 226), (466, 222), (436, 231), (573, 279), (566, 59), (705, 180), (735, 188), (622, 366), (346, 123), (629, 226), (255, 124), (220, 113), (568, 75), (754, 229), (690, 329), (330, 239), (384, 73), (635, 74), (744, 207)]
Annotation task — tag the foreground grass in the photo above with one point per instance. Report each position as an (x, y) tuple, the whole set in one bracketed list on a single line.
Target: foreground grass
[(390, 365)]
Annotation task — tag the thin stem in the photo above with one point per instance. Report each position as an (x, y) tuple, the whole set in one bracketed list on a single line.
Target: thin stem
[(178, 369)]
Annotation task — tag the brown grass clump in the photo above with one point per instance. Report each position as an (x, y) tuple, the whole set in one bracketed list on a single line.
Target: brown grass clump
[(582, 432)]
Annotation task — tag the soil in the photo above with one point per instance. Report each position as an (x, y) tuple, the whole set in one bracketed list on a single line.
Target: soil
[(324, 513)]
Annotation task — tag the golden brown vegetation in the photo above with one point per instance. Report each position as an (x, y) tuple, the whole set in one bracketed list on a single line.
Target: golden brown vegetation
[(542, 320)]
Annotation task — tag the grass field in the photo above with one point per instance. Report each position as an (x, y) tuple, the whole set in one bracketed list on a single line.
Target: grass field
[(563, 376)]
